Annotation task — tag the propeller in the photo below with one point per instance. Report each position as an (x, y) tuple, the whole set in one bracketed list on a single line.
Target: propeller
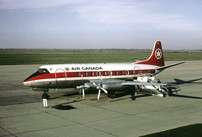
[(100, 88), (82, 90), (97, 85)]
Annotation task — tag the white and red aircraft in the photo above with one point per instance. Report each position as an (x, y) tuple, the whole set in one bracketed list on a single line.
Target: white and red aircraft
[(105, 77)]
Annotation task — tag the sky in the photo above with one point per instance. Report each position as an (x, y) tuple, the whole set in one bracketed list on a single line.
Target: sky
[(100, 24)]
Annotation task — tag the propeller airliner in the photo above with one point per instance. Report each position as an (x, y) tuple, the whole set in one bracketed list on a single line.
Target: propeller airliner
[(106, 77)]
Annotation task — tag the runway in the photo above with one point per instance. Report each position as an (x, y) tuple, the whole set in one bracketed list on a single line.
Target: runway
[(22, 114)]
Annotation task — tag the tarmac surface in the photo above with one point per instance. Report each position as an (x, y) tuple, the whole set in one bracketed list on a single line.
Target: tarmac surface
[(22, 114)]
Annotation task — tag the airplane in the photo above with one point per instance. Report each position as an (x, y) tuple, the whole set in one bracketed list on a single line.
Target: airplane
[(106, 77)]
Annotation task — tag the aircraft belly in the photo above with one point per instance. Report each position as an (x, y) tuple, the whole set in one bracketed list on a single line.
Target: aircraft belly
[(57, 84)]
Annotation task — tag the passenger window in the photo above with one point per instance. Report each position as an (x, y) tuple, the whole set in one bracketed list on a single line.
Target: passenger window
[(92, 73), (105, 73), (98, 73)]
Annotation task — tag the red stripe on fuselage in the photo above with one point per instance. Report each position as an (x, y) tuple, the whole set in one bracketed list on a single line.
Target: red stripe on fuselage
[(81, 74)]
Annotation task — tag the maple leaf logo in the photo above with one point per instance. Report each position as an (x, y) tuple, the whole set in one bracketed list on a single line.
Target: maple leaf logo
[(158, 54)]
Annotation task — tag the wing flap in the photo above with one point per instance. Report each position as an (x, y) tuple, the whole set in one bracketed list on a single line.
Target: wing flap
[(130, 83)]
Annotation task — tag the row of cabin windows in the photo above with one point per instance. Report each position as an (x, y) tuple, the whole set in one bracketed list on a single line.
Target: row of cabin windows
[(105, 73)]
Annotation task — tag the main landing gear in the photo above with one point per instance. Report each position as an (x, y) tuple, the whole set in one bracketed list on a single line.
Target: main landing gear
[(155, 90)]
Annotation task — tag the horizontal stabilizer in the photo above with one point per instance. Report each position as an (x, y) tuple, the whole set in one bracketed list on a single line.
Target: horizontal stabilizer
[(168, 66)]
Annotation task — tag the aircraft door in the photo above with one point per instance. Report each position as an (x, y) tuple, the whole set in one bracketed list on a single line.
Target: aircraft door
[(137, 70), (60, 75)]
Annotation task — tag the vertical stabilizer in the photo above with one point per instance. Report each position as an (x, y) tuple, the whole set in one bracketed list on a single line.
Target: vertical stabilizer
[(156, 57)]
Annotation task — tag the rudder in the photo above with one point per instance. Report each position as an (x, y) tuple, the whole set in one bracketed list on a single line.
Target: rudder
[(156, 58)]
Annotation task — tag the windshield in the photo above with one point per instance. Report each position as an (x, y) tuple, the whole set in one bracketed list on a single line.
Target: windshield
[(42, 71), (39, 71)]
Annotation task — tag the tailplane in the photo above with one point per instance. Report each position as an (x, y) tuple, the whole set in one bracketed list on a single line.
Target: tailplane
[(156, 58)]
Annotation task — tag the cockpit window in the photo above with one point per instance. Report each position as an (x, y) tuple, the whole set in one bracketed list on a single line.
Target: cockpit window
[(42, 71), (39, 72)]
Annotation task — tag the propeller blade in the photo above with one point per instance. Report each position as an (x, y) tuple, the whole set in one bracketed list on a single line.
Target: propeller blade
[(104, 90), (79, 90), (95, 84), (100, 88), (82, 90), (98, 96), (83, 93)]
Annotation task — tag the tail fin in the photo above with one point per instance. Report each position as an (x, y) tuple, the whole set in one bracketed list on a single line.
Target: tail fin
[(156, 58)]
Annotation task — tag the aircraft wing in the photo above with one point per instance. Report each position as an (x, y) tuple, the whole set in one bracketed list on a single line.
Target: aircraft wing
[(125, 83), (130, 83), (102, 84)]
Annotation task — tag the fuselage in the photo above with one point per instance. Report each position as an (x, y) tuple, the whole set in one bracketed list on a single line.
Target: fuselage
[(72, 75)]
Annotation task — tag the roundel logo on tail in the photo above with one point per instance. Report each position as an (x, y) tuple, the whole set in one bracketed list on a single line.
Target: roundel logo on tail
[(158, 53)]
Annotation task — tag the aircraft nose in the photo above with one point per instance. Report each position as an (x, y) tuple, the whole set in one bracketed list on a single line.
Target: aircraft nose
[(27, 84), (28, 81)]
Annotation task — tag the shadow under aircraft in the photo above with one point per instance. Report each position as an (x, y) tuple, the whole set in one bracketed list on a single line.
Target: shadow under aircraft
[(173, 87), (193, 81), (180, 82), (122, 95)]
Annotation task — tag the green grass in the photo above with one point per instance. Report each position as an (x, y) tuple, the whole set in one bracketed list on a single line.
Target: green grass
[(19, 57)]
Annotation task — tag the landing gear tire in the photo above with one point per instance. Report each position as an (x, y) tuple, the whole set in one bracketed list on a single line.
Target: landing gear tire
[(111, 95), (133, 97)]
